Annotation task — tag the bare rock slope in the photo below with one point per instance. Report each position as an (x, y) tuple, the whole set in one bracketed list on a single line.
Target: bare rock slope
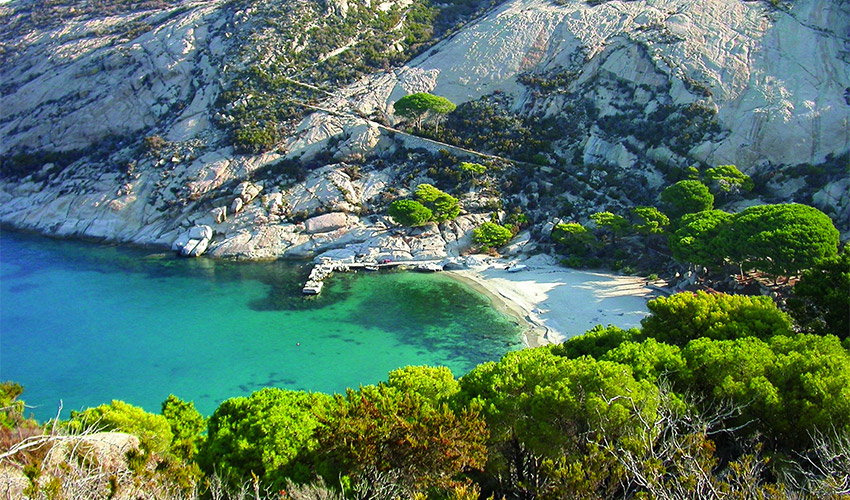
[(125, 124)]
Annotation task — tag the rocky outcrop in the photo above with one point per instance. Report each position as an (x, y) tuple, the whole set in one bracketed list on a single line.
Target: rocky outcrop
[(68, 87), (129, 116), (733, 55), (193, 242), (328, 222)]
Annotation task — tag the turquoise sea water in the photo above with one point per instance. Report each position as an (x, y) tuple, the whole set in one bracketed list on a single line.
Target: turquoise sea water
[(86, 324)]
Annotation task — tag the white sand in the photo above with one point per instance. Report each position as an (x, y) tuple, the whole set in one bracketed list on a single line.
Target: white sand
[(559, 303)]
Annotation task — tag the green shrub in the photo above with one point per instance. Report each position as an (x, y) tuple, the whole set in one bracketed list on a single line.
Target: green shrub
[(264, 434), (443, 206), (572, 238), (410, 213), (153, 431), (491, 235), (820, 302), (686, 197), (685, 316), (472, 168), (781, 239), (187, 425)]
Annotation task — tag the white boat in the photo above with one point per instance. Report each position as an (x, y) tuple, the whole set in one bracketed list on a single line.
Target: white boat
[(312, 288)]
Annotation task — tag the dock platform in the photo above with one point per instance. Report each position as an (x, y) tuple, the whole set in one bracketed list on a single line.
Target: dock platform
[(324, 269)]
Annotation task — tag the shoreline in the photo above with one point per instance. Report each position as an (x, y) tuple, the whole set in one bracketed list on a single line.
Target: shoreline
[(534, 331), (554, 303), (549, 302)]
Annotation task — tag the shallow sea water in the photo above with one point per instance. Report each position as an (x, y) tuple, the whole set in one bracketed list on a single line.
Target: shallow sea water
[(85, 324)]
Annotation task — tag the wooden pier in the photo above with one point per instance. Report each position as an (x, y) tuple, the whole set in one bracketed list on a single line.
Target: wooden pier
[(325, 269)]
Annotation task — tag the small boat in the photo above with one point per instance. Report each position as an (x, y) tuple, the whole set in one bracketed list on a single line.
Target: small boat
[(517, 268), (370, 267), (312, 288)]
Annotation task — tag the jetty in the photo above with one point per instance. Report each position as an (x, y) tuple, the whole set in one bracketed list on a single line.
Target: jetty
[(325, 268)]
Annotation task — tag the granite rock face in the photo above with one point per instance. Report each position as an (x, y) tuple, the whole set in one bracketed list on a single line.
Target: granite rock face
[(773, 82)]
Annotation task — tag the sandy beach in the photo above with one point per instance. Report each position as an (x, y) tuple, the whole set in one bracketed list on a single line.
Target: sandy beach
[(558, 303)]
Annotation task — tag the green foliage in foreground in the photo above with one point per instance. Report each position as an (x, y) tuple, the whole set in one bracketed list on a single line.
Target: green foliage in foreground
[(11, 406), (546, 416), (267, 434), (491, 235), (788, 387), (652, 412), (187, 425), (153, 431), (685, 316), (739, 349), (436, 384), (418, 443)]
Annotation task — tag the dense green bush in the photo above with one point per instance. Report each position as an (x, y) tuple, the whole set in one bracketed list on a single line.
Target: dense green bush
[(788, 387), (615, 225), (187, 426), (270, 434), (383, 434), (572, 238), (491, 235), (736, 349), (820, 302), (546, 416), (781, 239), (686, 316), (472, 168), (649, 220), (443, 206), (700, 238), (434, 384), (410, 213), (153, 431), (686, 197), (777, 239), (728, 179)]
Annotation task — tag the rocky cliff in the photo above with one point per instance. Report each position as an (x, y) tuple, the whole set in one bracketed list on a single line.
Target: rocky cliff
[(260, 129)]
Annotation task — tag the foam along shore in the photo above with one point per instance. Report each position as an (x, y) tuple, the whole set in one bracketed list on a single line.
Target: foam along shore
[(557, 303)]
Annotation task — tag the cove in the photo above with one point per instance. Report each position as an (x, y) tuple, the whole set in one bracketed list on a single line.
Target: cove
[(86, 323)]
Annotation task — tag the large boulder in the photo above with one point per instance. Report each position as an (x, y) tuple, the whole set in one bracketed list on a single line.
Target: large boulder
[(328, 222), (247, 191), (193, 242)]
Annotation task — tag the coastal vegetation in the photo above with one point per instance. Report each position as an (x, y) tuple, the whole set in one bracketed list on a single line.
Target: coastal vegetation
[(713, 396), (491, 235), (429, 205), (711, 393)]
